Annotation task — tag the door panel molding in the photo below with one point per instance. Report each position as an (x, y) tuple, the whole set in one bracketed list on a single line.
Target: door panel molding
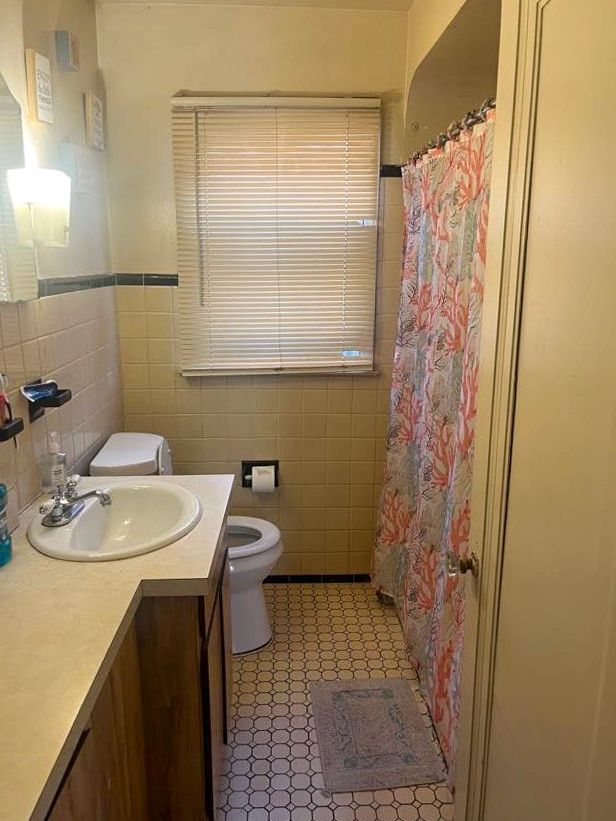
[(517, 98)]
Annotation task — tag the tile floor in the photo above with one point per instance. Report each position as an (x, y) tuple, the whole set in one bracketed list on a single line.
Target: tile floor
[(272, 772)]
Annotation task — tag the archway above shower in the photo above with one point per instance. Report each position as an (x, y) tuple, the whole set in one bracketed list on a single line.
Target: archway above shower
[(457, 74)]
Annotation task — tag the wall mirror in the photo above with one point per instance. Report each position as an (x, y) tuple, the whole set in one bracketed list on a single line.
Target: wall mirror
[(18, 280)]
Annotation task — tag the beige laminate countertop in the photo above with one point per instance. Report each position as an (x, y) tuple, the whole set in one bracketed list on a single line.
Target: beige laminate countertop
[(61, 624)]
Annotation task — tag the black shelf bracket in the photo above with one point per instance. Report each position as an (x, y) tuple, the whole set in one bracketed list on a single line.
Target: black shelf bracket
[(10, 429), (36, 407)]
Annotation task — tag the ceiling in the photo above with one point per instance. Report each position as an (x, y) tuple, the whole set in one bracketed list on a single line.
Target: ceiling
[(372, 5)]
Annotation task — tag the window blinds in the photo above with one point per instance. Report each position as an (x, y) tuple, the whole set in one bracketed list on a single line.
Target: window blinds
[(277, 224)]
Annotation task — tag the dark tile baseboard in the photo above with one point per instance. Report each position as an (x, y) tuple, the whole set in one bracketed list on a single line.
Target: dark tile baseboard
[(319, 578)]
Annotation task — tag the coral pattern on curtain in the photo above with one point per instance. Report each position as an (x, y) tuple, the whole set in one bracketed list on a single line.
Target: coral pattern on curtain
[(425, 503)]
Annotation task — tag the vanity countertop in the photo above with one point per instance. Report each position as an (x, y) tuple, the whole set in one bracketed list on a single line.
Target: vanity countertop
[(61, 624)]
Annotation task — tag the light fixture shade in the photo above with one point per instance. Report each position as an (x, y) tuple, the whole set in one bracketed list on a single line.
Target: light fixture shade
[(42, 204)]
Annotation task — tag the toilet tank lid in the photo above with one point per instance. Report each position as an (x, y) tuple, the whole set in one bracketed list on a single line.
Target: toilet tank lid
[(128, 454)]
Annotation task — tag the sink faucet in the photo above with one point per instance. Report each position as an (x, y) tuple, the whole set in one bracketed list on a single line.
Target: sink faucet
[(66, 503)]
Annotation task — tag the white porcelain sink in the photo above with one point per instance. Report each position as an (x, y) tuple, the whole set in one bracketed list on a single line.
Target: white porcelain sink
[(142, 517)]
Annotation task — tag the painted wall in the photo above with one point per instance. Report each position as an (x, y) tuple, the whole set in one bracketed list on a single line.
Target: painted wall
[(71, 337), (11, 47), (329, 433), (148, 53), (426, 22), (457, 74)]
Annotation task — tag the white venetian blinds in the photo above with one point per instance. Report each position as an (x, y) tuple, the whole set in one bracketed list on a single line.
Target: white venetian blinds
[(277, 224)]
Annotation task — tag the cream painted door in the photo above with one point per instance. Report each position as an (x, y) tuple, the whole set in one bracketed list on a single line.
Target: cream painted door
[(552, 738)]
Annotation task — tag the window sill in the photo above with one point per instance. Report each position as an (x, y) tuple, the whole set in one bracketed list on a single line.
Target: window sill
[(286, 372)]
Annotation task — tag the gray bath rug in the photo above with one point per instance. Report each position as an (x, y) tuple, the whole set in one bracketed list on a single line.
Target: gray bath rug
[(371, 735)]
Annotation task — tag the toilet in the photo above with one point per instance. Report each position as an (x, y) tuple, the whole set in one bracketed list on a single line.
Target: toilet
[(254, 548), (133, 454), (254, 545)]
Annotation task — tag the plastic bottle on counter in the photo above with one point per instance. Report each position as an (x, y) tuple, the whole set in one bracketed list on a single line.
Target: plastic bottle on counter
[(53, 464), (6, 549)]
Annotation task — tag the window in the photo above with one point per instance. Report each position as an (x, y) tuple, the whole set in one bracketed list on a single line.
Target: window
[(277, 222)]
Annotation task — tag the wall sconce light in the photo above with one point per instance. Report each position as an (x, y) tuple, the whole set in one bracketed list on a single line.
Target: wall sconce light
[(41, 200)]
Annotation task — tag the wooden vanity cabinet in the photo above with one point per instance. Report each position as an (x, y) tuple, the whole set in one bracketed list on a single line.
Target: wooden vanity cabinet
[(106, 777), (154, 743)]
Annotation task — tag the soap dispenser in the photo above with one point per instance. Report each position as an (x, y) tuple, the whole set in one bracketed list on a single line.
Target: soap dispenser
[(53, 464)]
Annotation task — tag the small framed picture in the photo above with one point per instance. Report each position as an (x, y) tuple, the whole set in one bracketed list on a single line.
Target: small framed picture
[(67, 51), (95, 121), (38, 79)]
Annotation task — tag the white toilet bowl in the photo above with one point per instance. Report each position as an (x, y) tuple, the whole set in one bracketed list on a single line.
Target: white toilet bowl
[(254, 548)]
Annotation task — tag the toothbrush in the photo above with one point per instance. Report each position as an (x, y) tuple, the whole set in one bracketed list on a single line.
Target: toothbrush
[(6, 414)]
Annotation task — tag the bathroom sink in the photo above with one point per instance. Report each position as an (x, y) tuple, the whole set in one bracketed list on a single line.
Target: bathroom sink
[(142, 517)]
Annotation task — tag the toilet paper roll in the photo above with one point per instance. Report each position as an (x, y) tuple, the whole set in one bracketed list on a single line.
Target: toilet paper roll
[(263, 479)]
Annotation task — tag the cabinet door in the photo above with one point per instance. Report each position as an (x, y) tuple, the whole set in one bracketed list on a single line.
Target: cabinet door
[(82, 794), (169, 655), (216, 677), (106, 779), (216, 703), (227, 649)]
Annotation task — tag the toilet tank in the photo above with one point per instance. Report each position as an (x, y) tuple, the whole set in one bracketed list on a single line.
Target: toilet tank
[(133, 454)]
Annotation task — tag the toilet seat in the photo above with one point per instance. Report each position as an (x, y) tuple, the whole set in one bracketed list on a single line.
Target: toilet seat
[(266, 535)]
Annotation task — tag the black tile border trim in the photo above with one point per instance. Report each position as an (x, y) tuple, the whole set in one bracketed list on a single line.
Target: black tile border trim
[(146, 279), (319, 578), (129, 279), (391, 171), (160, 279), (64, 285)]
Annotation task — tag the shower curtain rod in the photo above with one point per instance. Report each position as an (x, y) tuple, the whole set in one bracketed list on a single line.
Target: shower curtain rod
[(454, 130), (479, 115)]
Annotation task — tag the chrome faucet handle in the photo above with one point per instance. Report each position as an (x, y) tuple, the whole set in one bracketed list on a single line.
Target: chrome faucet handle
[(71, 485), (53, 509), (48, 506), (66, 504)]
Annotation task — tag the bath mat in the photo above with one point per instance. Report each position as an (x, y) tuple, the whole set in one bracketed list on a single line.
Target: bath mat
[(371, 735)]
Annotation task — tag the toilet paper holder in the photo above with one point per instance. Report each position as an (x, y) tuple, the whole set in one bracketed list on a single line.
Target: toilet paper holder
[(249, 464)]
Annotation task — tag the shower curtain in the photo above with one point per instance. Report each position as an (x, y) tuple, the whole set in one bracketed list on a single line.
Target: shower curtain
[(425, 503)]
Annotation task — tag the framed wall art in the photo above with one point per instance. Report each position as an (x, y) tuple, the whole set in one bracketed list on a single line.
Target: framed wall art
[(38, 79), (67, 51), (95, 121)]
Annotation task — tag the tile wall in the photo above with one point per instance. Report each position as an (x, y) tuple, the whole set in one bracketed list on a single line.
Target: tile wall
[(72, 338), (327, 432)]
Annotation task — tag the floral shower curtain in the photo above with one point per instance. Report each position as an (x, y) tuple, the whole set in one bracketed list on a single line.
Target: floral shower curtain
[(425, 504)]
